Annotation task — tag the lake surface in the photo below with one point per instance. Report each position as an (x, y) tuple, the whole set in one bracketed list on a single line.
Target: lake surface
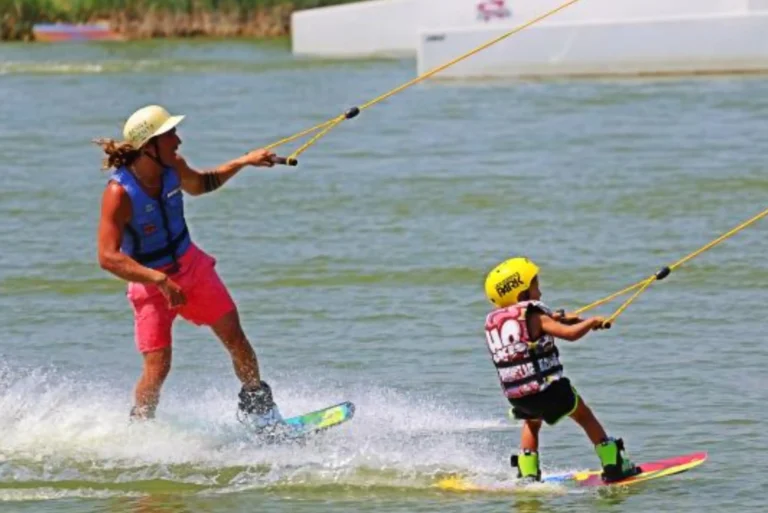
[(358, 275)]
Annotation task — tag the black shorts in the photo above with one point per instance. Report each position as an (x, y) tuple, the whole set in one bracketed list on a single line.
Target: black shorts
[(557, 401)]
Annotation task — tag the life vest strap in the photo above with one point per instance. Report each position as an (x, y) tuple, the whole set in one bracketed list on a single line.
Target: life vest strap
[(538, 376), (529, 359), (169, 250)]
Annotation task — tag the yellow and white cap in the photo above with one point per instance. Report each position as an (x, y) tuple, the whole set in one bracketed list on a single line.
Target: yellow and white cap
[(148, 122)]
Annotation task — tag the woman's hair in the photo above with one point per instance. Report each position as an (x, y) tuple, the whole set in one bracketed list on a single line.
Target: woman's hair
[(118, 153)]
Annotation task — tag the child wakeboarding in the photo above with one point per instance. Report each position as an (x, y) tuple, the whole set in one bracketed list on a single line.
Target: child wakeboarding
[(521, 334)]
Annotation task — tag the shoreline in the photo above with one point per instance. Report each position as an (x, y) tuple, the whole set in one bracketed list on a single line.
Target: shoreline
[(252, 21)]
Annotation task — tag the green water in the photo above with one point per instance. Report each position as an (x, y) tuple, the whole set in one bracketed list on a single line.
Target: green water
[(359, 273)]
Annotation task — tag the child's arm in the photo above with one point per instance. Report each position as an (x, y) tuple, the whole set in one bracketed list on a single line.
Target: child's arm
[(564, 318), (541, 323)]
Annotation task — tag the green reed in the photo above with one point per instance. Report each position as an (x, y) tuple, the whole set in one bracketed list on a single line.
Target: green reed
[(18, 16)]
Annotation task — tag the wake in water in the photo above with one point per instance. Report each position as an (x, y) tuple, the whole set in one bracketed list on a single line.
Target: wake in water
[(66, 433), (110, 65)]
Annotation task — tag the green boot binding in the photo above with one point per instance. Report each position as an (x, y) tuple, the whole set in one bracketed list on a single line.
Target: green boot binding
[(527, 465), (616, 465)]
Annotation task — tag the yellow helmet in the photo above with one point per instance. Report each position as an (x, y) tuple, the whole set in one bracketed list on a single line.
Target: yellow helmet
[(148, 122), (508, 280)]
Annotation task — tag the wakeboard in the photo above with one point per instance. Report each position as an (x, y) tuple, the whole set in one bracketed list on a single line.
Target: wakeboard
[(591, 478), (301, 427)]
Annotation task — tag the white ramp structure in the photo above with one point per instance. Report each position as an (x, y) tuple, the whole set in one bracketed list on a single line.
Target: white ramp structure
[(589, 37)]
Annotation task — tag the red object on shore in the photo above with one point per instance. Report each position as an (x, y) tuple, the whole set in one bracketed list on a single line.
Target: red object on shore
[(58, 32)]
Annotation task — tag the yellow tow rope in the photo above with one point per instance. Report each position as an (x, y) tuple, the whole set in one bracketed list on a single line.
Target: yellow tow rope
[(327, 126), (323, 128), (641, 286)]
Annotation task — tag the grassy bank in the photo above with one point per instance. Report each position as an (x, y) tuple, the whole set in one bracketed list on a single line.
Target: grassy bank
[(141, 19)]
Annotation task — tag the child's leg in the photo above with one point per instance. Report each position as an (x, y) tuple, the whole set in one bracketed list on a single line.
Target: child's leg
[(529, 436), (587, 420), (615, 465), (527, 460)]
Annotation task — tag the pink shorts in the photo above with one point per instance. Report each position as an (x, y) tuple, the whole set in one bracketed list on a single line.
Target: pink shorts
[(208, 300)]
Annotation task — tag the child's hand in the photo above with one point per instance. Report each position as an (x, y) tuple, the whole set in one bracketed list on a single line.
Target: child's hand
[(597, 323)]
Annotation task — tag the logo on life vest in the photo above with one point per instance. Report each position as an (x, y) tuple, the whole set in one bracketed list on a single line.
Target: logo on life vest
[(148, 228), (509, 284)]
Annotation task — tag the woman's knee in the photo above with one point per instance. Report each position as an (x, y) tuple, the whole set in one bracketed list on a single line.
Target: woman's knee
[(157, 364), (229, 330)]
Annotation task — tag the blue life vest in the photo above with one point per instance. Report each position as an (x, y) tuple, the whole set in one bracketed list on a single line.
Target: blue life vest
[(157, 234)]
